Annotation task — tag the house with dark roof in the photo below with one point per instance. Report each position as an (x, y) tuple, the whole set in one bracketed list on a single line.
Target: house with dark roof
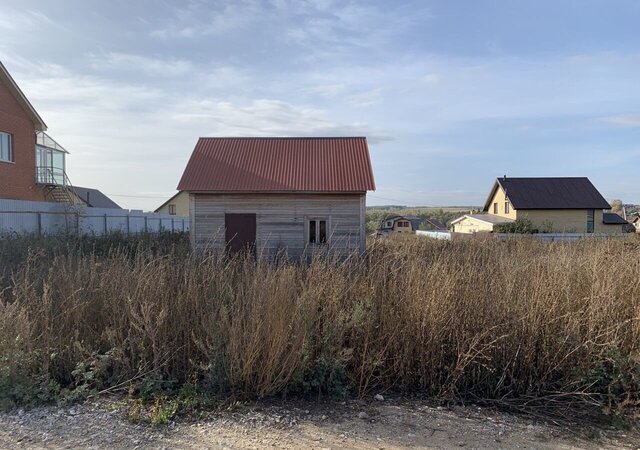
[(94, 198), (559, 205), (408, 224), (285, 194)]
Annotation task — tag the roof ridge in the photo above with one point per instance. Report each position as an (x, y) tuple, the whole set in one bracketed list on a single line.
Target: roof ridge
[(283, 137)]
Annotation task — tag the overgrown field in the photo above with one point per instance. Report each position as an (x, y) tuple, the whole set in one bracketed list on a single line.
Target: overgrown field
[(517, 322)]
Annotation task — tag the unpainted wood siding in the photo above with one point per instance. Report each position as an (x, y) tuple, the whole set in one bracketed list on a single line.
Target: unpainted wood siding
[(282, 221)]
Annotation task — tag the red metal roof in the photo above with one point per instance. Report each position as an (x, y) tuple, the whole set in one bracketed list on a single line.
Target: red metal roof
[(335, 164)]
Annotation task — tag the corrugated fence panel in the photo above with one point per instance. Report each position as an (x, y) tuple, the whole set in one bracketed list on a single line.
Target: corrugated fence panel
[(24, 217)]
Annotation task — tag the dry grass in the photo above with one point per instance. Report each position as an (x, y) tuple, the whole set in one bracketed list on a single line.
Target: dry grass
[(516, 322)]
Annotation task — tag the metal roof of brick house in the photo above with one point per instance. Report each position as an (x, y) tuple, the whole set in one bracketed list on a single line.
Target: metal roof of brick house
[(279, 164), (550, 193)]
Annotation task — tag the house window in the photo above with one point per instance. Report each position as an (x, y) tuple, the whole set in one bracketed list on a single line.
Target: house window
[(389, 223), (317, 231), (172, 209), (6, 147), (506, 207), (495, 208), (590, 220)]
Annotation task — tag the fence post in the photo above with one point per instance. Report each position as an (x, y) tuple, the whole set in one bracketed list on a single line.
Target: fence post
[(172, 227), (105, 225), (128, 224), (39, 224), (146, 225)]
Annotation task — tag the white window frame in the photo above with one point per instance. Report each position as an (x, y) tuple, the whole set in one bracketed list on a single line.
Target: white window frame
[(11, 158), (172, 209)]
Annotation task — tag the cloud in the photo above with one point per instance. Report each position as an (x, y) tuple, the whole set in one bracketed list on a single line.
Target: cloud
[(168, 67), (431, 78), (627, 121), (326, 90), (365, 99), (15, 20), (197, 19), (267, 117)]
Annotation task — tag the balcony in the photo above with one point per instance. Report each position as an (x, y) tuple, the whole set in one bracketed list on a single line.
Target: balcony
[(50, 161)]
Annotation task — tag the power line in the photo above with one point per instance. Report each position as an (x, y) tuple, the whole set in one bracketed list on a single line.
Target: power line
[(138, 196)]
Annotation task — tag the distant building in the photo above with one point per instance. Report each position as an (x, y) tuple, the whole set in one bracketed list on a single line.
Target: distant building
[(407, 224), (635, 221), (560, 205), (178, 205), (94, 198)]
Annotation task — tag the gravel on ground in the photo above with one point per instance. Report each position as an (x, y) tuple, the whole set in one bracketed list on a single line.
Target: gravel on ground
[(379, 423)]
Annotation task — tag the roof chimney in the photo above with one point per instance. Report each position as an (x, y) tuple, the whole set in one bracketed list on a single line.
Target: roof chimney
[(504, 177)]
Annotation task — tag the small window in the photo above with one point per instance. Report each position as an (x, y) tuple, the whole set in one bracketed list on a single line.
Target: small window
[(590, 220), (389, 223), (495, 208), (507, 206), (6, 147), (317, 231), (172, 209)]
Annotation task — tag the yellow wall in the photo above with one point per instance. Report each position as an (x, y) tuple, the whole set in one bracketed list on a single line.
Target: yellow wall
[(469, 225), (500, 198), (182, 205), (567, 220), (397, 229)]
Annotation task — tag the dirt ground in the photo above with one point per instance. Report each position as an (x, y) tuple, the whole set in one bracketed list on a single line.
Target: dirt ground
[(380, 424)]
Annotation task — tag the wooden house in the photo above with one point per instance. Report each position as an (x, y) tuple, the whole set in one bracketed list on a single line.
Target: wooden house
[(291, 195)]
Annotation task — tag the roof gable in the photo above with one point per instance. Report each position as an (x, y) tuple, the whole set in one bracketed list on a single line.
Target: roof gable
[(549, 193), (291, 164), (12, 87)]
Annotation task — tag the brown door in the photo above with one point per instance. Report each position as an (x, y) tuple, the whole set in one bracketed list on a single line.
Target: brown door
[(240, 232)]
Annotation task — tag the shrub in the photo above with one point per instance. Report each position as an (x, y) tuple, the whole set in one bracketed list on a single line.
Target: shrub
[(454, 320), (518, 226)]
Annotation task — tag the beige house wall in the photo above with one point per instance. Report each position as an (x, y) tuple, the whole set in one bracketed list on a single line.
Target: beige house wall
[(469, 225), (567, 220), (397, 229), (181, 201), (500, 198)]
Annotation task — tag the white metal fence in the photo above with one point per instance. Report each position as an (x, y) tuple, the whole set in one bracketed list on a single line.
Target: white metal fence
[(545, 237), (44, 218)]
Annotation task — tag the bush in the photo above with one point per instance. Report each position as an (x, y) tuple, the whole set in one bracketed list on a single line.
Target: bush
[(518, 226), (453, 320)]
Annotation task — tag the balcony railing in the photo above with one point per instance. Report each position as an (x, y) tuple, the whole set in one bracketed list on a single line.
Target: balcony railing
[(51, 176)]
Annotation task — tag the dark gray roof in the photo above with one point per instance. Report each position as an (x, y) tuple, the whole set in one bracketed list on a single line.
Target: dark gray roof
[(436, 223), (94, 198), (550, 193), (613, 219)]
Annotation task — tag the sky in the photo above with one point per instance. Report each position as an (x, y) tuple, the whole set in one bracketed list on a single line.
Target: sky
[(450, 94)]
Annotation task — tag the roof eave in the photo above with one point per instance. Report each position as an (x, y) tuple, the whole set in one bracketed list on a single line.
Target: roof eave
[(199, 191), (487, 202)]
